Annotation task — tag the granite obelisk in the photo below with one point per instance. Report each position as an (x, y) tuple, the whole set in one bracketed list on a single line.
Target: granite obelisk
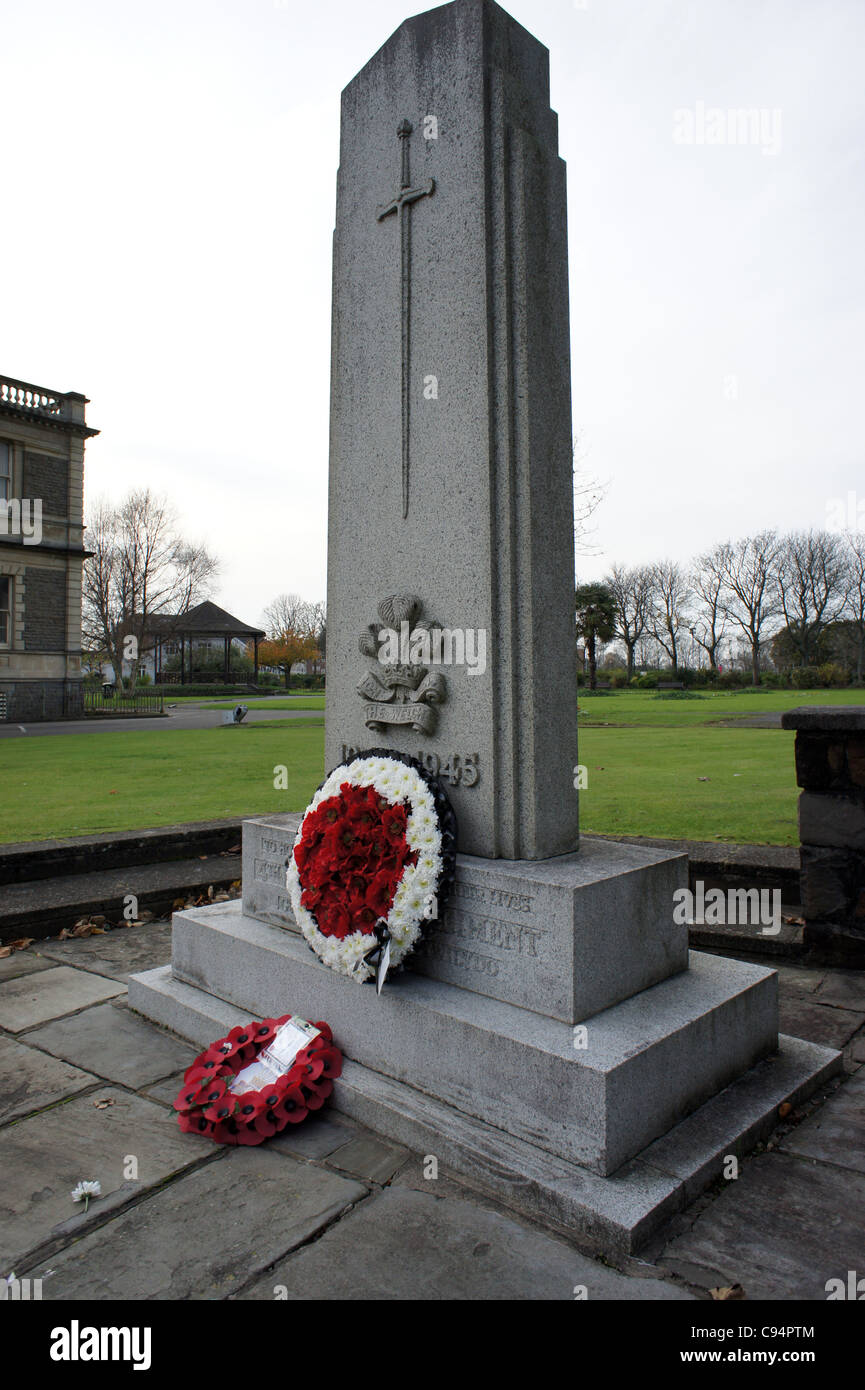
[(451, 453)]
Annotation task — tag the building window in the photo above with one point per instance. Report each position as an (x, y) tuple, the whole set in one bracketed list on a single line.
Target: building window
[(5, 611), (5, 472)]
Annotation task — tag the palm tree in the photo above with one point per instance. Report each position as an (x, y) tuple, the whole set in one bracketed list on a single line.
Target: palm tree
[(596, 620)]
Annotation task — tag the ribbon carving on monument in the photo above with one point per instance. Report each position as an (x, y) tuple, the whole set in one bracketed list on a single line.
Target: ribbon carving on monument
[(401, 689)]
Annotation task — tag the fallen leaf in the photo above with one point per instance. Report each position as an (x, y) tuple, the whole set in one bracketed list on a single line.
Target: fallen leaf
[(178, 905), (727, 1293), (103, 1103), (785, 1110), (19, 945), (82, 929)]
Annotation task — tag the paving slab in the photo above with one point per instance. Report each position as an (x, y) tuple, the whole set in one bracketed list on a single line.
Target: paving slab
[(836, 1132), (29, 1080), (166, 1091), (820, 1023), (369, 1158), (321, 1132), (408, 1245), (119, 953), (845, 988), (206, 1235), (44, 1157), (33, 999), (21, 963), (781, 1230), (116, 1044), (797, 980)]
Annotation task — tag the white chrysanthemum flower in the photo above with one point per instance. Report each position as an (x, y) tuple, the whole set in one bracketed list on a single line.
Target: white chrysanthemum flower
[(85, 1190)]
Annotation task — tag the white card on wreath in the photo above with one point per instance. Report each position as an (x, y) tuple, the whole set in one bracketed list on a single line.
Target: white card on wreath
[(253, 1078), (290, 1039)]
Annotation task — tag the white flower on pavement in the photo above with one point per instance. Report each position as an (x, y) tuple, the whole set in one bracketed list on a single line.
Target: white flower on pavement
[(85, 1190)]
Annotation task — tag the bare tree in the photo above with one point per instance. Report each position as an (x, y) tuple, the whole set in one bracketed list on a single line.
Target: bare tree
[(289, 613), (813, 582), (319, 627), (632, 596), (856, 595), (140, 567), (589, 493), (708, 585), (296, 632), (671, 597), (749, 568)]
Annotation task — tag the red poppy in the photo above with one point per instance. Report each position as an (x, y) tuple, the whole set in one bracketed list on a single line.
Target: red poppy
[(264, 1125), (309, 1066), (292, 1108), (331, 1058), (320, 1089), (221, 1110), (247, 1135)]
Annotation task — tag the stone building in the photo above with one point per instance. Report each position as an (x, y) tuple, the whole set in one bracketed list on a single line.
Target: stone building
[(42, 437)]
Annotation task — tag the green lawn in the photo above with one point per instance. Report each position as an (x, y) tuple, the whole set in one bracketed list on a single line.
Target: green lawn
[(647, 782), (645, 759), (79, 784), (279, 702), (644, 707), (257, 702)]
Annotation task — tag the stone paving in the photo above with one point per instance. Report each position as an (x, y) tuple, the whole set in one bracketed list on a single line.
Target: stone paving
[(330, 1209)]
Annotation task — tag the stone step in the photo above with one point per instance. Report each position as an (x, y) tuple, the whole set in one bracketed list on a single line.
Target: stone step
[(42, 908), (86, 854), (643, 1064), (614, 1215)]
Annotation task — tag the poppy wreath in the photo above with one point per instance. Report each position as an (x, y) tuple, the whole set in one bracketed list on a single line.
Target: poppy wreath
[(207, 1106), (373, 861)]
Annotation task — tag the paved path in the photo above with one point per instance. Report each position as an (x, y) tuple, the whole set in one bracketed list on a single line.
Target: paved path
[(184, 717), (333, 1209)]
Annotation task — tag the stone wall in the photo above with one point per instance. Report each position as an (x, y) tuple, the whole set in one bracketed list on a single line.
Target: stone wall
[(45, 610), (830, 769), (29, 701), (46, 476)]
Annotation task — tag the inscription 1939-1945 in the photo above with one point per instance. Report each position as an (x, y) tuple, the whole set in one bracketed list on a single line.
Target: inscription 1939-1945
[(459, 769)]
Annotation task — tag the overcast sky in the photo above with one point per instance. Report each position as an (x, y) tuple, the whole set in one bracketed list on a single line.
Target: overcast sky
[(169, 184)]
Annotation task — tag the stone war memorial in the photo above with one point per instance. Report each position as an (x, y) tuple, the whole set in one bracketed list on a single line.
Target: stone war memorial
[(549, 1039)]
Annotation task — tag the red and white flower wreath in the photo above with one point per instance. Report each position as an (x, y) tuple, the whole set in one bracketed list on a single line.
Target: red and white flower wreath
[(376, 848), (207, 1105)]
